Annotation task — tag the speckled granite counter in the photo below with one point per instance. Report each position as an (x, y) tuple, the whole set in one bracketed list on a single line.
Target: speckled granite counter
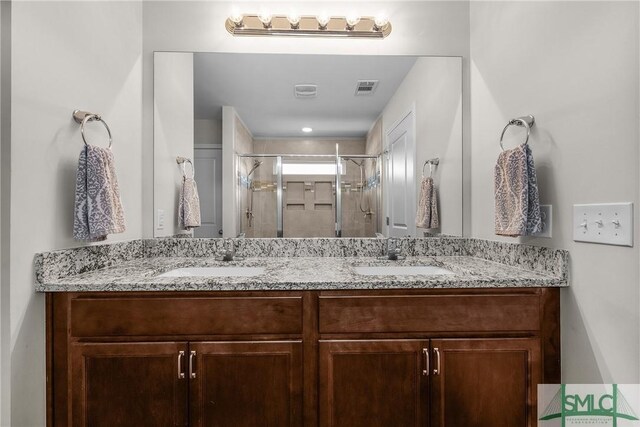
[(298, 264)]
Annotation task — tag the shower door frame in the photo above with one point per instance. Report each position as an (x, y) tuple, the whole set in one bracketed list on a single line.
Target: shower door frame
[(338, 181)]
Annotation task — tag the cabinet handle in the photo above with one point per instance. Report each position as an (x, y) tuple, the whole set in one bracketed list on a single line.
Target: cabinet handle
[(425, 371), (192, 373), (180, 370), (436, 371)]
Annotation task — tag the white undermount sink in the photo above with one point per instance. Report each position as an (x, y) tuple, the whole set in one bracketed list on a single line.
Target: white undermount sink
[(402, 270), (231, 271)]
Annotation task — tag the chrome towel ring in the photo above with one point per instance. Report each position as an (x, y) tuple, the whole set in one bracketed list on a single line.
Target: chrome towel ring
[(431, 162), (83, 117), (524, 121), (183, 161)]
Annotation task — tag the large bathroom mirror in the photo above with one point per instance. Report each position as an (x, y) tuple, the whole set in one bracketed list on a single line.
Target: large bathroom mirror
[(286, 145)]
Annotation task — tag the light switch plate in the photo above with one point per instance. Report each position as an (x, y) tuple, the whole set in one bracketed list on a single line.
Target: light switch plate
[(546, 214), (160, 221), (609, 223)]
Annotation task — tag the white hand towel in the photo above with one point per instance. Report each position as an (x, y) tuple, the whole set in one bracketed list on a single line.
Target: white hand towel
[(98, 208), (516, 194), (189, 204), (427, 215)]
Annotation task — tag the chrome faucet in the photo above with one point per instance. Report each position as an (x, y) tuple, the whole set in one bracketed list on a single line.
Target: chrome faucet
[(229, 253), (393, 249)]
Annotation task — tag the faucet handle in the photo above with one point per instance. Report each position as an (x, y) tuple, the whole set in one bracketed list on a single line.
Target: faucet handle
[(393, 248), (228, 250)]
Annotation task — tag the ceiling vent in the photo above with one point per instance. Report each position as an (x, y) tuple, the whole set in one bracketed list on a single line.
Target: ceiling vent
[(366, 87), (306, 91)]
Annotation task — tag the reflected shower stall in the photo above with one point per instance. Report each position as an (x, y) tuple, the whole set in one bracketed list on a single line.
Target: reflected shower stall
[(308, 195)]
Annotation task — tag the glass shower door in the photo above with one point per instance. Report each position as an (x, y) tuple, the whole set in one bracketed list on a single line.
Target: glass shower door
[(258, 190), (360, 196)]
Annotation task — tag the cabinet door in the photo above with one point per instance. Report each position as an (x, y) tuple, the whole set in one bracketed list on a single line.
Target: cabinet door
[(245, 384), (484, 382), (128, 384), (373, 383)]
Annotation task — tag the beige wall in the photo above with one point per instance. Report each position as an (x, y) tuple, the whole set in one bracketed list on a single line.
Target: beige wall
[(373, 144), (308, 145), (173, 133), (574, 65), (65, 55), (433, 87)]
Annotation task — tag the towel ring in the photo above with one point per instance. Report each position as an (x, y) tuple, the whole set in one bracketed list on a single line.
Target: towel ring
[(83, 118), (524, 121), (431, 163), (183, 161)]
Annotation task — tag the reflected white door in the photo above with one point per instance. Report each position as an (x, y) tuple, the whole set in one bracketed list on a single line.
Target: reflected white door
[(401, 185), (208, 165)]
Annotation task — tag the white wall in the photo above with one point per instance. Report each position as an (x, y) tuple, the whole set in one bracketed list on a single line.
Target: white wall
[(65, 55), (173, 132), (419, 28), (207, 132), (236, 139), (434, 87), (574, 65)]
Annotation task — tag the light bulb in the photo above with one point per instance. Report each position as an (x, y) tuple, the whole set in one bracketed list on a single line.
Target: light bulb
[(380, 22), (265, 18), (294, 20), (323, 21), (236, 18), (307, 130), (352, 21)]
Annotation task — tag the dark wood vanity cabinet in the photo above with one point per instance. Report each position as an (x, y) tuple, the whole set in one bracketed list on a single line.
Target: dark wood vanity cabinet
[(455, 357), (373, 383), (115, 384), (245, 384), (443, 382)]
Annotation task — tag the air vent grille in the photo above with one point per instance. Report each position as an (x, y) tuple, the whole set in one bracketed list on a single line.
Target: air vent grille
[(366, 87), (305, 91)]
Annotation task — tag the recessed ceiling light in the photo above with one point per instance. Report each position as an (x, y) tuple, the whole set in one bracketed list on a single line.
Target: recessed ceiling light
[(306, 130)]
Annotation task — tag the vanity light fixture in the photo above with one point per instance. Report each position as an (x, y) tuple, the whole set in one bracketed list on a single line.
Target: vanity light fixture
[(266, 19), (266, 24), (294, 21), (380, 22), (236, 19), (323, 21), (307, 130), (352, 21)]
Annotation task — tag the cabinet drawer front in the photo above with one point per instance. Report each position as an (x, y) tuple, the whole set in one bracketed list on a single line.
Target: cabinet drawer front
[(434, 313), (151, 316)]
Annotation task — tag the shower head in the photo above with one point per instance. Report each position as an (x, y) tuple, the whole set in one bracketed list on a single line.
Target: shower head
[(256, 165)]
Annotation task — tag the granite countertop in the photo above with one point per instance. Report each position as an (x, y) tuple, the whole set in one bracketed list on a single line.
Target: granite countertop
[(299, 273)]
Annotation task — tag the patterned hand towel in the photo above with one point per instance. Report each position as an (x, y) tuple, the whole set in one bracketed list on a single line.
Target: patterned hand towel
[(98, 208), (516, 193), (427, 216), (189, 205)]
